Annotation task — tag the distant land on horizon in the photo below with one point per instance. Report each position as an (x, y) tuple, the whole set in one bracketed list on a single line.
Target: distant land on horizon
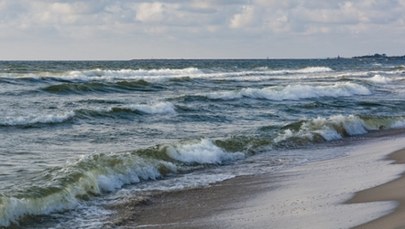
[(377, 55)]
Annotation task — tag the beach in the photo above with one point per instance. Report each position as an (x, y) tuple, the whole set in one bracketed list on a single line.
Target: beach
[(225, 143), (366, 185)]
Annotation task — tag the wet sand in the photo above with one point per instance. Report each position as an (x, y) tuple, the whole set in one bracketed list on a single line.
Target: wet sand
[(391, 191), (310, 196), (192, 208)]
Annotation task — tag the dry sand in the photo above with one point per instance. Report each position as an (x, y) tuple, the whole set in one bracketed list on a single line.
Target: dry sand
[(309, 196)]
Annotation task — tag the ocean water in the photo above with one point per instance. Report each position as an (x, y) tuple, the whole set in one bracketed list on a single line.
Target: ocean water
[(78, 137)]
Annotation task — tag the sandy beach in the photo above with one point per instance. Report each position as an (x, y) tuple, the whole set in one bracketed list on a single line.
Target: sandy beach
[(315, 195), (390, 191)]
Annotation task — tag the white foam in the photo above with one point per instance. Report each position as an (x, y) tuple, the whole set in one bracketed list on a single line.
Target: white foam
[(380, 79), (104, 176), (225, 95), (101, 74), (263, 73), (311, 196), (168, 73), (156, 108), (314, 69), (36, 119), (330, 128), (398, 124), (203, 152), (295, 92)]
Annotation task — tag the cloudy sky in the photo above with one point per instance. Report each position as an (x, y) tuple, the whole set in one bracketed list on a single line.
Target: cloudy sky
[(125, 29)]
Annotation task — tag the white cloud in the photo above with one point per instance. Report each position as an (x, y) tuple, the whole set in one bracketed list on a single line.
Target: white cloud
[(222, 23), (244, 18), (150, 12)]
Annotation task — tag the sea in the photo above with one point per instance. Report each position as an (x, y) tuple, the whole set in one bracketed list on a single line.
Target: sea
[(78, 137)]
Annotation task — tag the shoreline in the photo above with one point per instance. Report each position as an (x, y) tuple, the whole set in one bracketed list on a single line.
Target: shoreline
[(192, 208), (390, 191), (314, 195)]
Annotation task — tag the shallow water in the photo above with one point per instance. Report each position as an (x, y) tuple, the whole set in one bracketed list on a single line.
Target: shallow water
[(77, 135)]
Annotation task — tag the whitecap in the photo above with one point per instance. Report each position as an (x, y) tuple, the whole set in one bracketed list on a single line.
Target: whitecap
[(295, 92), (203, 152), (36, 119), (379, 79), (331, 128), (125, 74), (156, 108), (98, 174)]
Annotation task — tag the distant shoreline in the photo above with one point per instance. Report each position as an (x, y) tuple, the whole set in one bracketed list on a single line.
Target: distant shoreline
[(372, 56)]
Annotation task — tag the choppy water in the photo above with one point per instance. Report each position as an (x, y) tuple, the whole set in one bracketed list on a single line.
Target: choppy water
[(77, 136)]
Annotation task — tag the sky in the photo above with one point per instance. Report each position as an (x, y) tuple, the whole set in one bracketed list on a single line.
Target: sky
[(140, 29)]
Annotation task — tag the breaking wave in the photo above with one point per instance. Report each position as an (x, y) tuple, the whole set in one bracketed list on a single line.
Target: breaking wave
[(379, 79), (83, 87), (295, 92), (205, 152), (67, 187), (306, 70), (160, 108), (101, 74), (110, 75), (337, 127), (36, 119)]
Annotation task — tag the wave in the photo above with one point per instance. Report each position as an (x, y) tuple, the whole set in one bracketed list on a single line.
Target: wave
[(36, 119), (306, 70), (336, 127), (160, 108), (65, 188), (152, 108), (261, 73), (379, 79), (109, 75), (106, 74), (204, 152), (120, 74), (157, 108), (295, 92), (99, 74), (138, 85)]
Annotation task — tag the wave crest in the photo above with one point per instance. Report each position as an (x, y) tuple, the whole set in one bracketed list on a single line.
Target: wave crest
[(157, 108), (126, 74), (65, 188), (203, 152), (295, 92), (336, 127), (36, 119)]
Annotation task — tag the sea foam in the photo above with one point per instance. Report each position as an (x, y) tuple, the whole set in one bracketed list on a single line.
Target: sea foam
[(203, 152), (338, 126), (157, 108), (36, 119), (125, 74), (380, 79), (295, 92), (97, 174), (105, 173)]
